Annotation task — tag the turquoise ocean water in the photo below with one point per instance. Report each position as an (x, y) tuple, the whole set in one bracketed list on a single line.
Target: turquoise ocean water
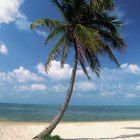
[(43, 113)]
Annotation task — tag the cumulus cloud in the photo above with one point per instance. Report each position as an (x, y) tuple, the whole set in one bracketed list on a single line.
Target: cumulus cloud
[(10, 12), (107, 94), (4, 76), (41, 69), (38, 87), (132, 68), (113, 83), (80, 72), (3, 48), (22, 22), (130, 96), (55, 71), (23, 75), (85, 86), (117, 83), (138, 86), (59, 88), (33, 87), (42, 33)]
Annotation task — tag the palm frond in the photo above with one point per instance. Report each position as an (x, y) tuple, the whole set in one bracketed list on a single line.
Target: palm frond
[(115, 40), (47, 23), (93, 61), (82, 62), (64, 53), (52, 34), (95, 30), (107, 22), (54, 52), (59, 5), (85, 36), (101, 5), (105, 49)]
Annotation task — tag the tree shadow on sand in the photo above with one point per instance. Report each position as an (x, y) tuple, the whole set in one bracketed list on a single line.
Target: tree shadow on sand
[(138, 128), (111, 138), (118, 137)]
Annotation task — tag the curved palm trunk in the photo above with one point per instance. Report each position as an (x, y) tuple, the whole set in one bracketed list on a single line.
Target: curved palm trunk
[(59, 115)]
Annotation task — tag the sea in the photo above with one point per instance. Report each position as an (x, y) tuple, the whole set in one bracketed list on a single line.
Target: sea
[(74, 113)]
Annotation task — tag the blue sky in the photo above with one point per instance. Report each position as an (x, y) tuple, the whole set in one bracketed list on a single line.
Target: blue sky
[(23, 54)]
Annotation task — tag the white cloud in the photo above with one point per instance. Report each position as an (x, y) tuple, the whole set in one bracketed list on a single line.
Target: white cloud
[(4, 76), (138, 86), (130, 96), (55, 71), (85, 86), (23, 75), (84, 96), (113, 83), (58, 73), (33, 87), (107, 94), (132, 68), (41, 69), (59, 88), (40, 87), (9, 12), (3, 48), (22, 22), (42, 33), (79, 72), (119, 82)]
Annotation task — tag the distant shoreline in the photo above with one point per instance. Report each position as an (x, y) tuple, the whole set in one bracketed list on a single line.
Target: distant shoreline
[(63, 122), (71, 105)]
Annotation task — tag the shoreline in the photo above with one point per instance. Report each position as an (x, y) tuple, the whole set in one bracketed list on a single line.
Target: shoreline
[(65, 122), (120, 130)]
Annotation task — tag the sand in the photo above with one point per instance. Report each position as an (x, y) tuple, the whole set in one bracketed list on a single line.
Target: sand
[(119, 130)]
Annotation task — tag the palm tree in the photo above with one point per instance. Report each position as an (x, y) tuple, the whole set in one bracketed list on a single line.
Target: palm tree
[(89, 30)]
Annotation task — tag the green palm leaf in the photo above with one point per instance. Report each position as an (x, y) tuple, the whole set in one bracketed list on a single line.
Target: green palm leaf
[(85, 36), (82, 62), (96, 32), (55, 51), (114, 39), (105, 49), (64, 53), (92, 60), (101, 5), (47, 23), (52, 34)]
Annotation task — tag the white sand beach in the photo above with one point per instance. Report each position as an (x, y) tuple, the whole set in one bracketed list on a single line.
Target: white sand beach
[(119, 130)]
